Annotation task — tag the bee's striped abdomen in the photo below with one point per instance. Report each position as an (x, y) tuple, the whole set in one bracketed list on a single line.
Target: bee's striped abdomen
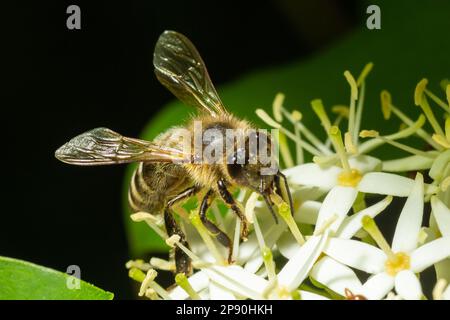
[(152, 184)]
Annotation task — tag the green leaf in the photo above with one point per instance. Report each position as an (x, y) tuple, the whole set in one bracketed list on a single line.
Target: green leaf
[(410, 45), (22, 280)]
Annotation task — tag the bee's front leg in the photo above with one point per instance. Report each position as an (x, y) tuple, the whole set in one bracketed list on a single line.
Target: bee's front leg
[(283, 190), (219, 234), (227, 197)]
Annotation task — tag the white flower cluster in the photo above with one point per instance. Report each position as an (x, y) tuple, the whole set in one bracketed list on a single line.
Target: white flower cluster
[(314, 253)]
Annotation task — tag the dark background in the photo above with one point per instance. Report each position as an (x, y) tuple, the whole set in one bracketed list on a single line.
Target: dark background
[(60, 82)]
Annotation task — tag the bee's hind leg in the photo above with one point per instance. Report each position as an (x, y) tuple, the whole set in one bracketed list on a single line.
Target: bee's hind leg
[(227, 197), (183, 263), (219, 234)]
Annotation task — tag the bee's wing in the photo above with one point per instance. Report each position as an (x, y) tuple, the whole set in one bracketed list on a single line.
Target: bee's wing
[(179, 67), (102, 146)]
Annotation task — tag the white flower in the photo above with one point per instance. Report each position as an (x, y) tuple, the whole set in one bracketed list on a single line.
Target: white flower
[(342, 195), (396, 266), (440, 215), (337, 276)]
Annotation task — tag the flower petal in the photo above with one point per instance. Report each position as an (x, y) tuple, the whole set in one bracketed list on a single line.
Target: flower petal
[(351, 225), (365, 163), (308, 212), (311, 174), (249, 251), (406, 235), (385, 183), (446, 294), (287, 245), (307, 295), (430, 253), (408, 286), (335, 276), (377, 286), (217, 292), (337, 202), (298, 267), (238, 281), (356, 254), (442, 215), (198, 281)]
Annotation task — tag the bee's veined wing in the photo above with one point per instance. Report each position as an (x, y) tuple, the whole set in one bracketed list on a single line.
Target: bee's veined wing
[(103, 146), (179, 67)]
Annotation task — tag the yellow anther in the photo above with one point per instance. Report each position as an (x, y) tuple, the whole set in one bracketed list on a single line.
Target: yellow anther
[(341, 110), (267, 119), (319, 109), (386, 102), (173, 240), (296, 115), (369, 134), (349, 145), (353, 86), (418, 93), (277, 106), (366, 70)]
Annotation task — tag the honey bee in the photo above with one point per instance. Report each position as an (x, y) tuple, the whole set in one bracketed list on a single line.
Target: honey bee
[(161, 180)]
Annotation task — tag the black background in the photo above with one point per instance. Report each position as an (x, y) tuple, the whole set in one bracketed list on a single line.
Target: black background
[(60, 82)]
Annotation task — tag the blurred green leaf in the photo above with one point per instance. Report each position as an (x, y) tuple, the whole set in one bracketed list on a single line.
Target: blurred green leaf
[(21, 280), (412, 44)]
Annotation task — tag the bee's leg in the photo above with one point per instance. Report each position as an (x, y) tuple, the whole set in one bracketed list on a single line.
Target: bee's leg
[(182, 261), (230, 202), (285, 193), (189, 192), (219, 234)]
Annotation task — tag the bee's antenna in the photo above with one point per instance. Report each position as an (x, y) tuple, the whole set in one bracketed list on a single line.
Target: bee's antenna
[(286, 185)]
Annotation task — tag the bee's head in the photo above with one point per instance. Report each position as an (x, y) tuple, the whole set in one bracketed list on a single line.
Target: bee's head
[(254, 166)]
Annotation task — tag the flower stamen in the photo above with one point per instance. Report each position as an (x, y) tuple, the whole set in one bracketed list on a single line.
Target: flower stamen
[(319, 109), (437, 100), (284, 149), (368, 223), (285, 212), (151, 220), (271, 122), (183, 282), (349, 145), (395, 262), (162, 264), (421, 100), (441, 140), (353, 97), (387, 107), (266, 253), (336, 139), (138, 264), (277, 106), (205, 235)]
